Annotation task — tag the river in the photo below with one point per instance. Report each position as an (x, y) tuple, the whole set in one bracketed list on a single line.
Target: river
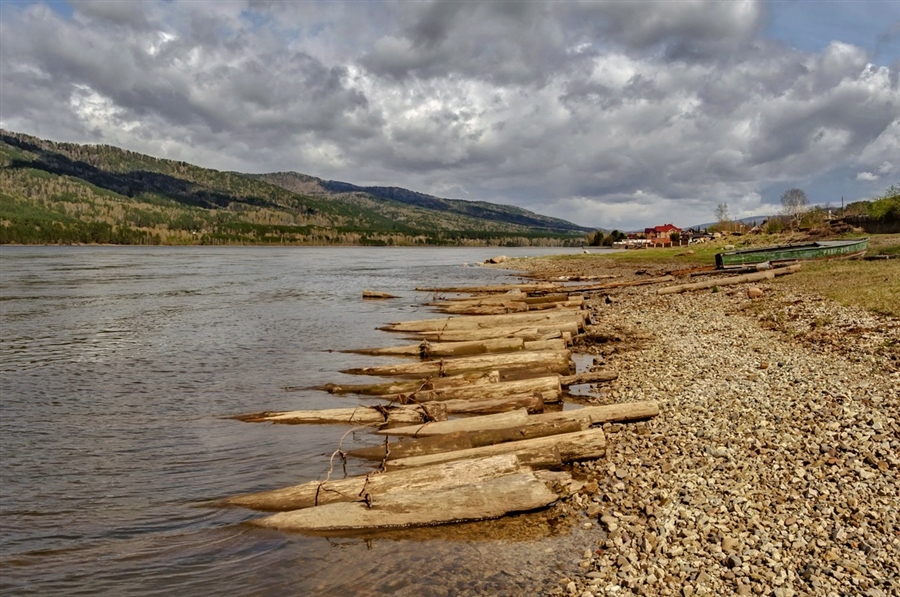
[(118, 369)]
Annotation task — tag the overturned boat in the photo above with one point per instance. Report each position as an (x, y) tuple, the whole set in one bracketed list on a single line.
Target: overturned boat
[(824, 249)]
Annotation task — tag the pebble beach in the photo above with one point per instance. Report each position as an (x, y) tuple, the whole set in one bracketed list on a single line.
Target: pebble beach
[(774, 466)]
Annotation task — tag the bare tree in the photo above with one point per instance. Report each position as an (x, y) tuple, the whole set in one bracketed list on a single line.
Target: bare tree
[(794, 203)]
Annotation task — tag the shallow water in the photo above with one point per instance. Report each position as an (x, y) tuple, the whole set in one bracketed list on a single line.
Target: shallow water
[(118, 367)]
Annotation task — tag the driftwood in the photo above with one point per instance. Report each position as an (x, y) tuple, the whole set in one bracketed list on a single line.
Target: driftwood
[(532, 402), (547, 388), (373, 294), (360, 415), (611, 285), (609, 413), (463, 440), (554, 361), (475, 378), (475, 322), (353, 489), (539, 452), (587, 377), (526, 332), (498, 288), (491, 498), (754, 277), (431, 350)]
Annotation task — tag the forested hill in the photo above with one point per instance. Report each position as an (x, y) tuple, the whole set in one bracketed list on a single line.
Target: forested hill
[(70, 193)]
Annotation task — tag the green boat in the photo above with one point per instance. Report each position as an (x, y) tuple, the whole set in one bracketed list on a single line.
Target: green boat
[(824, 249)]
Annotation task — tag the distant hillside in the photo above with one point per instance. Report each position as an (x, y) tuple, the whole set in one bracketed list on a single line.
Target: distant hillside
[(69, 193)]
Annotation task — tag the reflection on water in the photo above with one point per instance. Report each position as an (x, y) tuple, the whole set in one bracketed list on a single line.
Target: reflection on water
[(118, 368)]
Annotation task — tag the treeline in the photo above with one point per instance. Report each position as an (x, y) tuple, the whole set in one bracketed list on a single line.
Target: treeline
[(68, 193)]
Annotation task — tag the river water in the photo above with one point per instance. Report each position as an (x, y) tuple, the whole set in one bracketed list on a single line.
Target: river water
[(118, 369)]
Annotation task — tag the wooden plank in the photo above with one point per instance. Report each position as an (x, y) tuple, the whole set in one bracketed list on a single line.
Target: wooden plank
[(580, 445), (491, 498), (351, 489), (554, 361), (360, 415)]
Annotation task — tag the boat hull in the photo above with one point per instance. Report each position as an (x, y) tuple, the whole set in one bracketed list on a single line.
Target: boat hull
[(800, 252)]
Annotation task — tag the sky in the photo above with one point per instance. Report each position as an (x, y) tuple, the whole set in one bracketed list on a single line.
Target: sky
[(610, 114)]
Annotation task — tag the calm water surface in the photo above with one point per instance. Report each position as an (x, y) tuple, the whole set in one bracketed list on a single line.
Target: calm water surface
[(118, 367)]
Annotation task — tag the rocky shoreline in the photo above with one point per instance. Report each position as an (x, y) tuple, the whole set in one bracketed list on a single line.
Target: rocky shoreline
[(773, 467)]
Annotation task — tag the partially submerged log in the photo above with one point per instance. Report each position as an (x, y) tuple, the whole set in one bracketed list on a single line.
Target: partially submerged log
[(588, 377), (553, 361), (491, 498), (754, 277), (609, 413), (360, 415), (477, 322), (536, 452), (374, 294), (352, 489), (463, 440), (531, 401), (471, 379)]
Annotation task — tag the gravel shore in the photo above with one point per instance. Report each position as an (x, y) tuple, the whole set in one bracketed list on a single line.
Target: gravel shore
[(773, 467)]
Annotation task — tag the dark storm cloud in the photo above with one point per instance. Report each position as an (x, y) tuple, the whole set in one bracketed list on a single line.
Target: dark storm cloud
[(606, 113)]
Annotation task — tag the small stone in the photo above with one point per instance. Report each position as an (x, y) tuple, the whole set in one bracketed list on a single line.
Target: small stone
[(729, 544), (733, 561), (754, 292), (743, 589)]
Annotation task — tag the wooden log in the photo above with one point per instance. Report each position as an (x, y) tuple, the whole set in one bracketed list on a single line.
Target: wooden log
[(498, 421), (532, 402), (474, 322), (509, 296), (360, 415), (519, 492), (463, 440), (528, 332), (374, 294), (352, 489), (493, 309), (541, 345), (611, 285), (475, 378), (497, 307), (570, 447), (588, 377), (427, 350), (492, 289), (547, 388), (554, 361), (572, 305), (753, 277), (608, 413)]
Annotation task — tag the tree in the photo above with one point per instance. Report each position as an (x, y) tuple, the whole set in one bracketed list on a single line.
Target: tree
[(722, 215), (794, 203)]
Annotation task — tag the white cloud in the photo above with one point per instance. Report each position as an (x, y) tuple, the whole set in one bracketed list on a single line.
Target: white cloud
[(608, 114)]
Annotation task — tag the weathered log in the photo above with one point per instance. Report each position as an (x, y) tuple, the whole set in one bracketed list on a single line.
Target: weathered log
[(527, 332), (548, 388), (530, 401), (470, 322), (579, 445), (352, 489), (611, 285), (754, 277), (427, 350), (572, 305), (588, 377), (554, 361), (493, 309), (609, 413), (374, 294), (519, 492), (360, 415), (463, 440), (541, 345), (510, 296), (474, 378), (498, 421), (497, 288)]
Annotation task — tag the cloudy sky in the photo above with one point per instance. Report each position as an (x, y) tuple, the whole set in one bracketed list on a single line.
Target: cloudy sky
[(615, 114)]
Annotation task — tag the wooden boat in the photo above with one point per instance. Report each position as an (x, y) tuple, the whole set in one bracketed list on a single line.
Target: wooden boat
[(824, 249)]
